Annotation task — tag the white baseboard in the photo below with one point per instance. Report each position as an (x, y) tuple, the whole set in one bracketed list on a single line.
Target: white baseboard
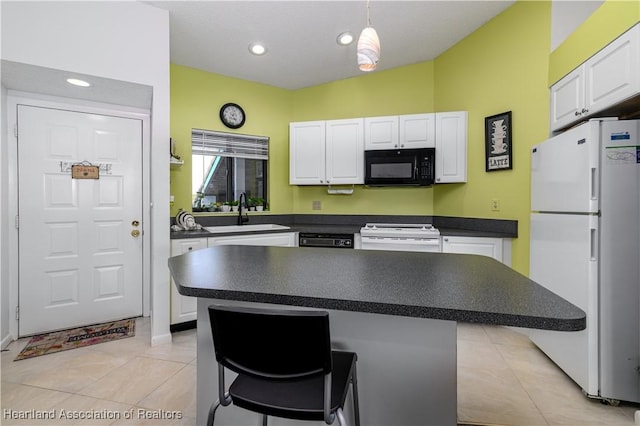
[(161, 340), (5, 341)]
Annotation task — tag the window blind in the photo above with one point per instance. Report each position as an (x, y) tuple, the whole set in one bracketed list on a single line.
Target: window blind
[(208, 142)]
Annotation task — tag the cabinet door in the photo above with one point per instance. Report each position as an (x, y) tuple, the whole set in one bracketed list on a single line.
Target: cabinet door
[(567, 99), (283, 239), (417, 131), (484, 246), (184, 308), (613, 74), (307, 153), (451, 146), (381, 132), (345, 151)]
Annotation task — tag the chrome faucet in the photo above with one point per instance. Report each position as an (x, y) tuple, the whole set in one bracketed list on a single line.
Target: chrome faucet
[(242, 206)]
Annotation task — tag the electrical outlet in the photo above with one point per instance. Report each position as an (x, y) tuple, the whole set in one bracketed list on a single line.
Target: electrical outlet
[(495, 204), (316, 205)]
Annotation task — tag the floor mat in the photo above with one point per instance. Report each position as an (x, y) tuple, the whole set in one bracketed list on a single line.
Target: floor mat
[(57, 341)]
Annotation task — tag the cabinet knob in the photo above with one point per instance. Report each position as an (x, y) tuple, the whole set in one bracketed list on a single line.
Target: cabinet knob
[(190, 248), (584, 110), (446, 239), (577, 113)]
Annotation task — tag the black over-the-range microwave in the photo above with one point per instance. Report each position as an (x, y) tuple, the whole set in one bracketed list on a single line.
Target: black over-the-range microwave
[(387, 167)]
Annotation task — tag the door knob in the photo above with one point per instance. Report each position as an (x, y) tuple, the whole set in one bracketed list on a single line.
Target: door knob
[(135, 233)]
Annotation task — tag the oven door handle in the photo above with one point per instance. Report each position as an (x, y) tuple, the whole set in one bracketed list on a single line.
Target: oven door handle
[(402, 241)]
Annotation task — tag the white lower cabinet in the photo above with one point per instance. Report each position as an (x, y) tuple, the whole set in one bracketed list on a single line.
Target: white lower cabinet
[(184, 308), (283, 239), (498, 248)]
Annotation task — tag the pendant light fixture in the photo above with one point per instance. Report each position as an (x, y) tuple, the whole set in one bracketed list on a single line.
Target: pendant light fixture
[(368, 47)]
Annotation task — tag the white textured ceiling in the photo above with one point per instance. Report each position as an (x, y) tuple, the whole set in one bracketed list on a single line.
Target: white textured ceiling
[(301, 35)]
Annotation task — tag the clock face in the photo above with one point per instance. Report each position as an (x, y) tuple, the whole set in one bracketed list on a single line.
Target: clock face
[(232, 115)]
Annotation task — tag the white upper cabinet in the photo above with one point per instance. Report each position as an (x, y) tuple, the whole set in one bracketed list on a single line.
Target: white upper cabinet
[(326, 152), (306, 153), (381, 132), (607, 78), (404, 131), (567, 99), (345, 151), (451, 146), (417, 131), (332, 152)]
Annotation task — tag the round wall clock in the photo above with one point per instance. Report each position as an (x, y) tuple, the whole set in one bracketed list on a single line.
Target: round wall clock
[(232, 115)]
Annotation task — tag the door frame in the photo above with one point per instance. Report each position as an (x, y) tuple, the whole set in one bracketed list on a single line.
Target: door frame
[(15, 98)]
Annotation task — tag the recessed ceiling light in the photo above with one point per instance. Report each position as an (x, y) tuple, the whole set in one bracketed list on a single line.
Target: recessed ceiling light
[(77, 82), (257, 49), (345, 38)]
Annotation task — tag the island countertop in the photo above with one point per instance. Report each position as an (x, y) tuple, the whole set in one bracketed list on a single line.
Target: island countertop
[(455, 287)]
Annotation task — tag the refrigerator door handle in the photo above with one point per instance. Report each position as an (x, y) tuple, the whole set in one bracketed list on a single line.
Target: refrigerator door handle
[(594, 183), (593, 239)]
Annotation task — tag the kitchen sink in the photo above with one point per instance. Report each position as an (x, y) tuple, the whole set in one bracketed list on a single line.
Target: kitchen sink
[(245, 228)]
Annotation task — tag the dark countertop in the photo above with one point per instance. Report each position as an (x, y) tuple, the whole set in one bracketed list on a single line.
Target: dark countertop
[(351, 224), (454, 287)]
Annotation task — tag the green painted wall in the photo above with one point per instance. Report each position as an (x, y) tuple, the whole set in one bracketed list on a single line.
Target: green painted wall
[(196, 98), (503, 66), (500, 67), (609, 21)]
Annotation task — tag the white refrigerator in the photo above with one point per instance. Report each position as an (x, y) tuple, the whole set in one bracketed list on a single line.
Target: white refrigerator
[(585, 247)]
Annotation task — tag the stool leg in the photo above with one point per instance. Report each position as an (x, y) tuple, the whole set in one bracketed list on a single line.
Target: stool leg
[(212, 412), (354, 389)]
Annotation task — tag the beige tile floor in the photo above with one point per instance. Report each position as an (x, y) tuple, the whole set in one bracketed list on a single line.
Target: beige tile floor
[(502, 380)]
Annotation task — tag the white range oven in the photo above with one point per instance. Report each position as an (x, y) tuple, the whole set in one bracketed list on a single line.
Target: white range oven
[(400, 237)]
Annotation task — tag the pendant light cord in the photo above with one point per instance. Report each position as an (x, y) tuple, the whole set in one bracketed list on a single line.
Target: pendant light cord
[(368, 18)]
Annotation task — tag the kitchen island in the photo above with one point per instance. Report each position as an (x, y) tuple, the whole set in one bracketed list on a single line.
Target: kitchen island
[(397, 310)]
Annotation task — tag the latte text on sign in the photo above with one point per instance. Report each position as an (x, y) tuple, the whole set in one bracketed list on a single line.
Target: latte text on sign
[(82, 171)]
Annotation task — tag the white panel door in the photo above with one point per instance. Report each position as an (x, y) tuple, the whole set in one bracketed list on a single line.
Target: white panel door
[(345, 151), (451, 147), (613, 74), (80, 244), (564, 171), (483, 246), (307, 153), (417, 131), (184, 308), (564, 259), (381, 132), (567, 99)]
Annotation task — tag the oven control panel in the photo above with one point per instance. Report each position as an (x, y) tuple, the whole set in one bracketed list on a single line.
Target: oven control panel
[(326, 240)]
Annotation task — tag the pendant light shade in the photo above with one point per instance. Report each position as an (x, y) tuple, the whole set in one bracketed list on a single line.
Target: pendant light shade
[(368, 49)]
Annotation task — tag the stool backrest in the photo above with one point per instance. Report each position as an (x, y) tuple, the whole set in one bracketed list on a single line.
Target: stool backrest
[(270, 343)]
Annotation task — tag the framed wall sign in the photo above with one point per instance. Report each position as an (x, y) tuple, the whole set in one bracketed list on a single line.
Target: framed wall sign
[(498, 143)]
